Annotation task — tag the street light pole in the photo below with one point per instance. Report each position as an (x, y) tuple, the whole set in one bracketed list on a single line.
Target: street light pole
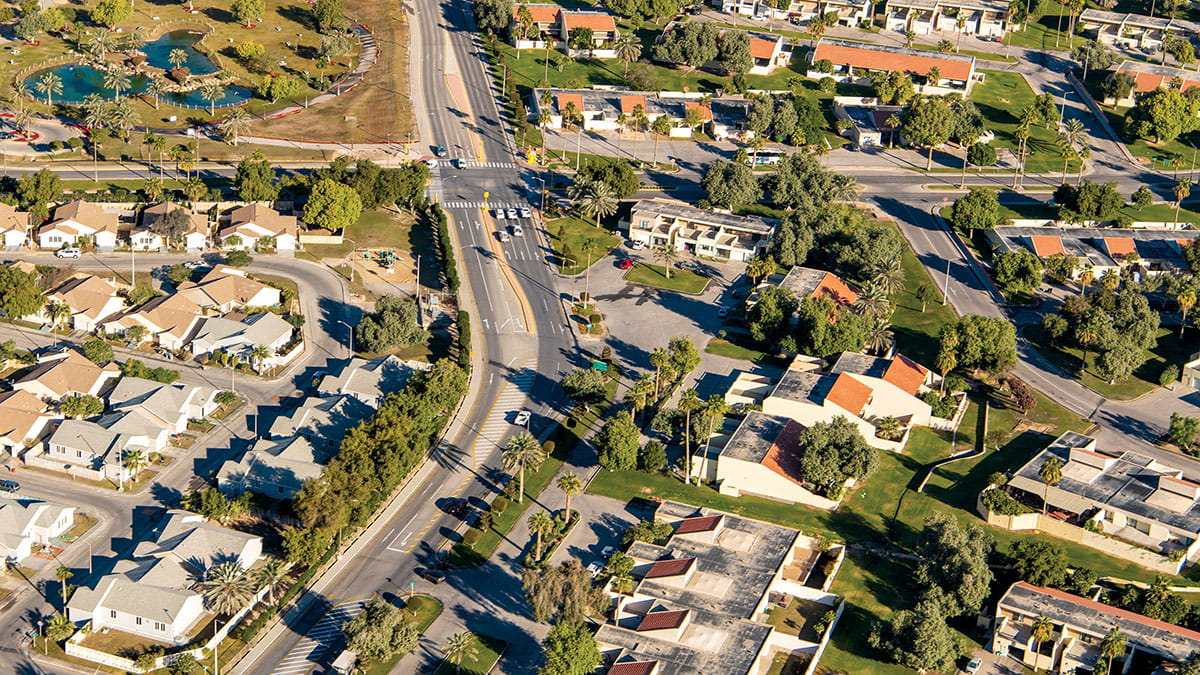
[(350, 331), (946, 286)]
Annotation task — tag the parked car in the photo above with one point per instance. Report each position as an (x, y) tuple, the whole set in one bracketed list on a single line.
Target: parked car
[(625, 263), (68, 252), (522, 418), (518, 231), (195, 264), (511, 213), (431, 163), (432, 576), (10, 486), (637, 245), (457, 507), (608, 551), (503, 236), (595, 569), (499, 214), (723, 312), (974, 666)]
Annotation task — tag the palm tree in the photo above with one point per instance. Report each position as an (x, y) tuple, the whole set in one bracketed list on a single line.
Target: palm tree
[(211, 91), (62, 574), (889, 274), (760, 267), (225, 588), (714, 408), (1041, 631), (60, 311), (1110, 280), (570, 484), (1050, 473), (1085, 153), (873, 300), (879, 335), (457, 647), (49, 84), (177, 58), (667, 255), (599, 201), (689, 402), (123, 117), (540, 525), (260, 354), (588, 248), (159, 145), (235, 124), (270, 574), (544, 120), (1186, 300), (522, 452), (629, 49), (155, 88), (1112, 647), (134, 461), (639, 392), (1182, 189), (60, 627), (661, 126), (116, 79), (1074, 135), (1085, 277), (892, 122)]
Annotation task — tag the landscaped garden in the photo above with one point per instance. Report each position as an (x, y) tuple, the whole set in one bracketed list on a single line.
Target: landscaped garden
[(1169, 350), (683, 281), (576, 241), (471, 654)]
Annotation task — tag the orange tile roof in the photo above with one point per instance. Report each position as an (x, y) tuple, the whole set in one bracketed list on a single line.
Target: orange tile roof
[(597, 22), (1120, 246), (833, 287), (669, 568), (662, 620), (540, 13), (699, 524), (628, 103), (906, 374), (705, 111), (1045, 245), (762, 49), (876, 59), (849, 394), (1114, 611), (564, 99), (634, 668), (1143, 82), (784, 457)]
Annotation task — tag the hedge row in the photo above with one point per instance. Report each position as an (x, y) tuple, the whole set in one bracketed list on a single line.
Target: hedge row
[(449, 267), (464, 340)]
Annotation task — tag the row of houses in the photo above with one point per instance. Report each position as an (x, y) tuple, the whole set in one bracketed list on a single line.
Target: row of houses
[(985, 18), (108, 227), (1152, 251), (1147, 77), (860, 62), (1135, 30), (601, 110)]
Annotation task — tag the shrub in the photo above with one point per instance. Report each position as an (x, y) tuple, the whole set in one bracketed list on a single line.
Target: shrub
[(942, 406), (1000, 502), (499, 504), (471, 537), (1169, 375)]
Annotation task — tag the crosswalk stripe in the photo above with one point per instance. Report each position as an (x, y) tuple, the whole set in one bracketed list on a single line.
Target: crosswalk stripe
[(317, 643)]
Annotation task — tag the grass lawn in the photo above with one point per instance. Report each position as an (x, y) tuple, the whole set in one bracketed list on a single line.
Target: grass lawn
[(722, 347), (798, 618), (683, 281), (483, 653), (573, 233), (423, 610), (1169, 350), (1158, 154), (1001, 99), (1042, 29)]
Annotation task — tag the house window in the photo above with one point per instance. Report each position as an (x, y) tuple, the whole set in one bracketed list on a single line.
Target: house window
[(160, 627), (138, 620), (79, 453), (112, 613)]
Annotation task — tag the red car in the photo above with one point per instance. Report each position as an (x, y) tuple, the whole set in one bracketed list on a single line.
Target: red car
[(625, 263)]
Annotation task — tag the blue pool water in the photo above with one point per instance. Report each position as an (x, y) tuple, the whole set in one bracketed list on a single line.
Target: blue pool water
[(78, 80)]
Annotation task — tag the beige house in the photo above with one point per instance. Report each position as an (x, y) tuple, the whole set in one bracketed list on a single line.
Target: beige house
[(195, 238), (74, 221), (23, 419), (65, 373), (1191, 372), (169, 320), (551, 25), (986, 18), (91, 300), (225, 289), (604, 110), (1079, 626), (250, 223), (682, 227), (169, 406), (14, 227)]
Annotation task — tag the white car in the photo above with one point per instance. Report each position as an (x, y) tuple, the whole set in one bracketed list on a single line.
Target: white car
[(195, 264), (504, 236), (518, 231), (595, 569), (974, 666), (69, 252), (522, 418), (431, 163), (608, 551), (511, 213), (637, 245), (499, 214), (526, 213)]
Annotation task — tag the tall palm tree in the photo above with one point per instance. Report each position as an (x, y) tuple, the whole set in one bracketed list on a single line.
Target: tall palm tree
[(116, 79), (1041, 630), (1085, 277), (667, 255), (1085, 153), (211, 91), (96, 112), (639, 392), (889, 274), (225, 588), (873, 300), (892, 122), (540, 525), (1186, 300), (879, 335), (599, 201), (260, 354), (60, 311), (159, 145), (63, 573), (177, 57), (1112, 647), (660, 359), (271, 574), (544, 120), (760, 267), (714, 408), (236, 123), (1110, 280), (134, 461), (1182, 189), (1051, 472), (588, 249), (689, 402), (522, 452), (571, 485), (123, 117), (49, 84), (629, 49), (457, 648), (60, 627), (661, 126), (155, 88)]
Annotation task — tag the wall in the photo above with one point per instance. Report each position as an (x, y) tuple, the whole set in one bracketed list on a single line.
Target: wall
[(737, 477), (816, 659), (334, 239)]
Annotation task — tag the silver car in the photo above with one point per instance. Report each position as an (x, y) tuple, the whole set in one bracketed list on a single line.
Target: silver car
[(526, 213), (499, 214)]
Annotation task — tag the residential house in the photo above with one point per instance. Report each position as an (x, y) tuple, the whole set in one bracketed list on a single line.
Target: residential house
[(275, 468), (253, 222), (86, 447), (14, 226), (23, 418), (371, 380), (605, 110), (683, 227), (195, 237), (742, 7), (90, 298), (324, 420), (553, 24), (1131, 498), (169, 406), (806, 282), (699, 602), (224, 289), (65, 373), (1079, 627), (74, 221), (1158, 251), (768, 54), (604, 32), (169, 319), (859, 62), (850, 13), (28, 523), (1150, 76), (869, 120), (153, 593), (239, 335), (986, 18), (1134, 30)]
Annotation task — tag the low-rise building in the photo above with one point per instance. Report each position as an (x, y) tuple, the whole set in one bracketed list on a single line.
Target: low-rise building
[(194, 237), (1148, 77), (1150, 251), (65, 373), (806, 282), (153, 594), (605, 110), (23, 419), (551, 25), (371, 380), (169, 320), (1191, 373), (683, 227), (700, 603), (1130, 498), (90, 299), (14, 227), (1079, 626), (90, 449), (224, 289), (872, 124), (987, 18), (861, 62), (26, 524), (73, 222), (324, 421), (275, 468), (169, 406), (250, 224), (239, 335), (1134, 30)]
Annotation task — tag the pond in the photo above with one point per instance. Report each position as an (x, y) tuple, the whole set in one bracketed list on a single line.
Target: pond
[(80, 80)]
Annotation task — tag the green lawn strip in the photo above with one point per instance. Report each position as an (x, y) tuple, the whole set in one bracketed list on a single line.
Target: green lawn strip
[(683, 281), (426, 610), (1000, 99), (479, 659), (1042, 28), (917, 331), (575, 232), (1157, 153), (1168, 350), (723, 347)]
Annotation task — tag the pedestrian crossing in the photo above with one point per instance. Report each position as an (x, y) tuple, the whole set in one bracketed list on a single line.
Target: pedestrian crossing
[(318, 644), (472, 164), (480, 205)]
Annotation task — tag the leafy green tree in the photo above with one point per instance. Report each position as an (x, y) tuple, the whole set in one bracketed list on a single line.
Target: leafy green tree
[(734, 51), (1041, 563), (380, 631), (569, 649), (982, 154), (111, 12), (1118, 363), (275, 87), (692, 44), (1088, 201), (617, 443), (565, 593), (1163, 114), (19, 293), (615, 172), (1183, 430), (492, 16), (953, 568), (653, 457), (82, 405), (730, 185), (332, 206), (329, 16), (581, 37), (986, 343), (928, 122), (1094, 55), (35, 190), (304, 547), (1017, 271), (979, 209), (825, 328), (768, 318), (684, 356), (98, 351), (392, 324), (801, 183), (238, 258), (246, 11), (585, 387), (215, 505), (648, 530), (254, 179), (919, 638), (834, 452), (894, 88)]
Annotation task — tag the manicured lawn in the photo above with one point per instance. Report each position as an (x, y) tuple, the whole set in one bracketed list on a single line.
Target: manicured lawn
[(722, 347), (1001, 99), (573, 233), (483, 653), (1169, 350), (683, 281), (1165, 213), (1041, 30), (1159, 154)]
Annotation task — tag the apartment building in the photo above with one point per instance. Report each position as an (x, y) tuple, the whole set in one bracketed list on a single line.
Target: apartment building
[(1134, 30), (604, 110), (1149, 77), (538, 26), (860, 62), (682, 227), (1152, 251), (985, 18)]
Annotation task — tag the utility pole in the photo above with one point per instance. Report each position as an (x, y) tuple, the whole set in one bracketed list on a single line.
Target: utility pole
[(946, 286)]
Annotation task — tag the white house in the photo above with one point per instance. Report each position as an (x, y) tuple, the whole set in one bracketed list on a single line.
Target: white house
[(65, 373), (76, 220), (169, 319), (370, 381), (195, 237), (90, 298), (14, 226), (987, 18), (225, 289), (239, 337), (275, 468), (153, 594), (250, 223), (167, 405), (23, 418), (89, 447), (27, 523), (686, 228)]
